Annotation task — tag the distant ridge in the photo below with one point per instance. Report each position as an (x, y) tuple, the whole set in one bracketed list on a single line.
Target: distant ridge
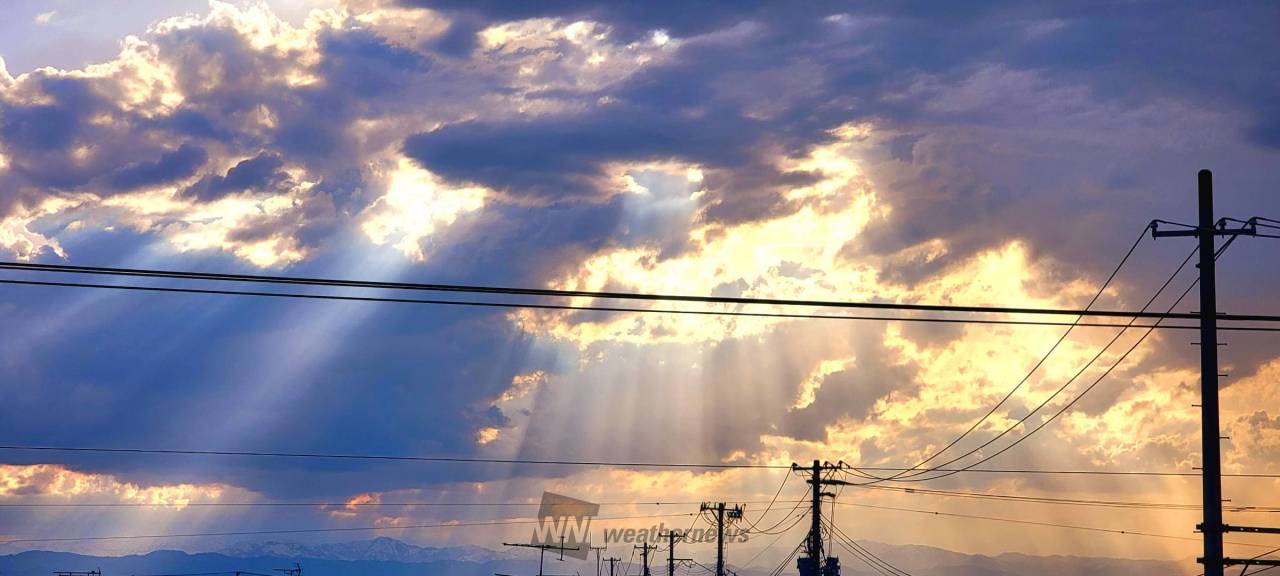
[(391, 557), (381, 549)]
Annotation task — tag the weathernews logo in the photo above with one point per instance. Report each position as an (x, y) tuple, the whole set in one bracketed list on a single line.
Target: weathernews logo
[(565, 522)]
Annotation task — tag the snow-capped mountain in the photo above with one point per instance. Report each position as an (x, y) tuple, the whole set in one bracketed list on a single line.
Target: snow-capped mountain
[(381, 549)]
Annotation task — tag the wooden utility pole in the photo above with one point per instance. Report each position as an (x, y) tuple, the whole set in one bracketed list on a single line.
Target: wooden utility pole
[(721, 509), (671, 551), (815, 563), (1206, 232), (645, 548)]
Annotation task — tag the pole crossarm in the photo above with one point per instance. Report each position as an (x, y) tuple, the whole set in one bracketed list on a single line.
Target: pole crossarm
[(542, 551), (1250, 529), (1247, 228), (1250, 562)]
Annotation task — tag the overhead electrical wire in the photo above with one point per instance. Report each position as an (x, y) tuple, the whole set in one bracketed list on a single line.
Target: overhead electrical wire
[(909, 472), (1073, 472), (1065, 407), (781, 534), (596, 463), (781, 485), (617, 309), (1039, 523), (349, 456), (232, 572), (914, 476), (1035, 367), (319, 530), (330, 504), (1066, 501), (754, 529), (868, 557), (1259, 556), (786, 561), (505, 290)]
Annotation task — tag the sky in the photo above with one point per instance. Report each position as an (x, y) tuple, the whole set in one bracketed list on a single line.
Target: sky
[(988, 153)]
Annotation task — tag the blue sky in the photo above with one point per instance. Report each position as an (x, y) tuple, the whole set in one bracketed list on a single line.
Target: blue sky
[(989, 153)]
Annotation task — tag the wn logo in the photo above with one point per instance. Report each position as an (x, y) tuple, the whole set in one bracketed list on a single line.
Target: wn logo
[(565, 521)]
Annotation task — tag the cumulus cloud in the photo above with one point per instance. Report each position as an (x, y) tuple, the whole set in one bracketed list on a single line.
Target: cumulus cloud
[(983, 155), (57, 483)]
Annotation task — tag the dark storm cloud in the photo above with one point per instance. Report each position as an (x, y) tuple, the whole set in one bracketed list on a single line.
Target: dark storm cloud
[(681, 110), (176, 165), (65, 134), (630, 19), (261, 173), (1031, 71), (365, 65), (40, 137), (225, 82), (556, 158)]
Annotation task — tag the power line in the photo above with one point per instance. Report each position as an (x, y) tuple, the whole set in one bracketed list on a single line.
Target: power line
[(868, 557), (597, 463), (454, 459), (235, 572), (781, 535), (1064, 501), (781, 485), (1267, 553), (914, 476), (1043, 358), (462, 288), (1065, 472), (567, 307), (318, 530), (332, 504), (786, 561), (1039, 523)]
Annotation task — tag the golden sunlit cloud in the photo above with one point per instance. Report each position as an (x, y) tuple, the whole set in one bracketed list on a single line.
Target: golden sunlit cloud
[(56, 482), (415, 206), (190, 225), (793, 256), (17, 237), (487, 435), (522, 385)]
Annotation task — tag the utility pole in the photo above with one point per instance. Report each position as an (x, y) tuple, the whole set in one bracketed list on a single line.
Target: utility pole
[(720, 509), (542, 551), (814, 564), (671, 551), (1206, 231), (644, 557), (612, 562), (597, 550), (1210, 444)]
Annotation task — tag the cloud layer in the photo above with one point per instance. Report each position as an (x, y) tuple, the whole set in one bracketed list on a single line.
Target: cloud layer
[(986, 154)]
